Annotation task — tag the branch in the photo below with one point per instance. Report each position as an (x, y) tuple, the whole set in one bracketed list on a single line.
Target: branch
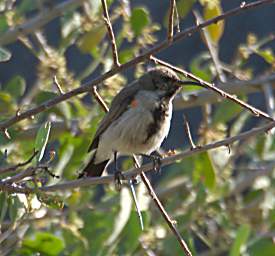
[(171, 21), (15, 167), (253, 110), (110, 32), (212, 48), (142, 57), (200, 97), (147, 167), (40, 20)]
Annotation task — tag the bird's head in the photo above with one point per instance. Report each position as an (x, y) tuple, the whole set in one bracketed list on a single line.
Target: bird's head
[(162, 80)]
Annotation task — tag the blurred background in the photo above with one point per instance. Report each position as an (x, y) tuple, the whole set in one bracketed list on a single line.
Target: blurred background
[(223, 202)]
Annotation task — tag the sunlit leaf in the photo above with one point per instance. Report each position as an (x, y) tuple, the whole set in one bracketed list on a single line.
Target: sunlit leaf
[(267, 55), (212, 10), (139, 20), (5, 55), (240, 240), (41, 140), (184, 7)]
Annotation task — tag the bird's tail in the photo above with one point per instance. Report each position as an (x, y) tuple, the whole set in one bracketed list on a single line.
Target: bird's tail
[(92, 169)]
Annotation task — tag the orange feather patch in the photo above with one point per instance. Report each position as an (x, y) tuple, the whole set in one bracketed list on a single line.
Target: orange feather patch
[(134, 103)]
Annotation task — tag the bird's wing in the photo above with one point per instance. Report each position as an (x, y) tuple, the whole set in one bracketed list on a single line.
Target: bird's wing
[(118, 106)]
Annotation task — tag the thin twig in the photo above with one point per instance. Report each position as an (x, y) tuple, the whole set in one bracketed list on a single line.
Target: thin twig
[(171, 21), (110, 32), (142, 57), (136, 203), (253, 110), (171, 223), (15, 167), (211, 47), (58, 86), (188, 132), (99, 99), (189, 99)]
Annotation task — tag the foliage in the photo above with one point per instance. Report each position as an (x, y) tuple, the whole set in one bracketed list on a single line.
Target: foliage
[(223, 202)]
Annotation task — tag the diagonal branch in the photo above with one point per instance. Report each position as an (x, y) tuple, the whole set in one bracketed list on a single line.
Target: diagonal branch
[(110, 32), (212, 87), (191, 99), (15, 167), (142, 57)]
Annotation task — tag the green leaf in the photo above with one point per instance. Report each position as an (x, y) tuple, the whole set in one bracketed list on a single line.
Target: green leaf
[(5, 55), (41, 140), (262, 247), (90, 40), (44, 96), (198, 68), (139, 20), (240, 240), (44, 243), (14, 208), (184, 7), (16, 86), (3, 23), (226, 111), (204, 170)]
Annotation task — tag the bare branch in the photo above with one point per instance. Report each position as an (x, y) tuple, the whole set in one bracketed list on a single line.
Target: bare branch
[(40, 20), (142, 57), (144, 168), (99, 99), (171, 21), (200, 97), (188, 132), (253, 110), (15, 167), (110, 32), (58, 86), (212, 48)]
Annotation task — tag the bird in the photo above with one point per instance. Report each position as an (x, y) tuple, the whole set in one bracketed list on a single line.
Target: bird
[(138, 120)]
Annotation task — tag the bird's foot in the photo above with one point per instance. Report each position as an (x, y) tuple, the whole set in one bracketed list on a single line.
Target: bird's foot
[(156, 158), (118, 179)]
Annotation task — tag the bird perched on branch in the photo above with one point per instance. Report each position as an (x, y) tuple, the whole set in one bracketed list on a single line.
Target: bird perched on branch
[(138, 120)]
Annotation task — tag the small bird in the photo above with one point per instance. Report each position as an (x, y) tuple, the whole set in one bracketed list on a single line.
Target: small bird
[(138, 120)]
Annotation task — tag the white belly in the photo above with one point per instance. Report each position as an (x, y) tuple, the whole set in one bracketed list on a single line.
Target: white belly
[(128, 134)]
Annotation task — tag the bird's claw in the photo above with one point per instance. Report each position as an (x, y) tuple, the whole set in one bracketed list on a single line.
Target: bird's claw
[(156, 163), (118, 179)]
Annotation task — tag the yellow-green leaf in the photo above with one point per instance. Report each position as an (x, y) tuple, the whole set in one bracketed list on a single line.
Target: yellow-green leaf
[(210, 11), (91, 39)]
